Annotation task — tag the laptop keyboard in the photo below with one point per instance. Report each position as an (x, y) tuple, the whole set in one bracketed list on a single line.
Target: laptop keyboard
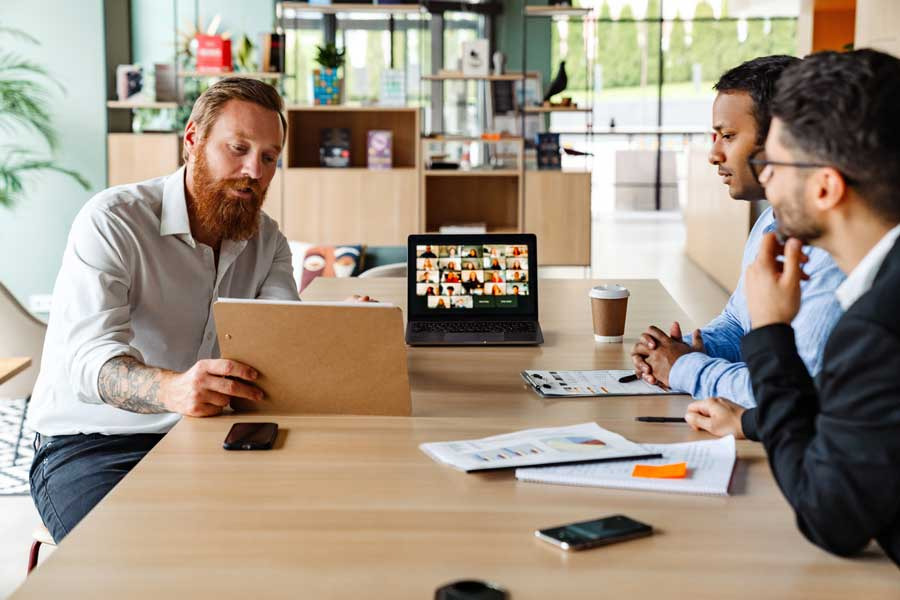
[(474, 327)]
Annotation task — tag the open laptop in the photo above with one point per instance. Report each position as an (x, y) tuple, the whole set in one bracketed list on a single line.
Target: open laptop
[(472, 290)]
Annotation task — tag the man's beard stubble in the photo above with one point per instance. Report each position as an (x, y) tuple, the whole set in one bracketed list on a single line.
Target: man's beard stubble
[(217, 211), (793, 220)]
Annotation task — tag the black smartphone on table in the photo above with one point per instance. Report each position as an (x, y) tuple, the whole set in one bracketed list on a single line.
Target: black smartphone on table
[(598, 532), (251, 436)]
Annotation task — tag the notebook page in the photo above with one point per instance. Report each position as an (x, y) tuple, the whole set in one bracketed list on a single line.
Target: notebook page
[(709, 464)]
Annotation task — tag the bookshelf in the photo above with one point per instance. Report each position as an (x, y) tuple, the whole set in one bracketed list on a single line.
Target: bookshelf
[(355, 204), (557, 203), (332, 9)]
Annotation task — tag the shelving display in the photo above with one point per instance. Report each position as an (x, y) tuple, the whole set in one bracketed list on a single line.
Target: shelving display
[(557, 202), (459, 178)]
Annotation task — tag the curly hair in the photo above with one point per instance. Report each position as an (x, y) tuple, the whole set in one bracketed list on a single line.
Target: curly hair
[(843, 109), (757, 77)]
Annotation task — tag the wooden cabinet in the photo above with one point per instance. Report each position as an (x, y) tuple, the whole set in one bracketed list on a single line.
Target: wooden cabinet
[(133, 157), (377, 207), (342, 206), (558, 212)]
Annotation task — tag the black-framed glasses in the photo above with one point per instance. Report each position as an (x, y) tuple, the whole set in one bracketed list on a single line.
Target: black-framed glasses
[(758, 164)]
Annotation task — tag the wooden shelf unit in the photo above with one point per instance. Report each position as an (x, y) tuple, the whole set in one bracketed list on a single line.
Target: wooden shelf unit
[(471, 173), (135, 157), (252, 75), (470, 139), (458, 76), (305, 125), (355, 204), (330, 9), (477, 195), (495, 201), (125, 104), (552, 109), (558, 212), (556, 11)]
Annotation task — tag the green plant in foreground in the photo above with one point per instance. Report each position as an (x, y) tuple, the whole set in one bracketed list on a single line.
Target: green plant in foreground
[(24, 104)]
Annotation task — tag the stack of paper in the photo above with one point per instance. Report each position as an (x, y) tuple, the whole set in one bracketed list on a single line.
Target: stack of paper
[(709, 465), (556, 445)]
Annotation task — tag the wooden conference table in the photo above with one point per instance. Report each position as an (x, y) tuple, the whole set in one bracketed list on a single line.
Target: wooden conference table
[(10, 367), (349, 507)]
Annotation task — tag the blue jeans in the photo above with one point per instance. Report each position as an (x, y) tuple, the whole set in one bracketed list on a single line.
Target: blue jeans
[(72, 473)]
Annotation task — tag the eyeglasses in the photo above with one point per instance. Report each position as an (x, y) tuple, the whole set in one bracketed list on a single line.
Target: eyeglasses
[(759, 164)]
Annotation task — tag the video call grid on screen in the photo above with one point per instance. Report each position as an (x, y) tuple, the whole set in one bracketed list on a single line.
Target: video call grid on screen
[(479, 276)]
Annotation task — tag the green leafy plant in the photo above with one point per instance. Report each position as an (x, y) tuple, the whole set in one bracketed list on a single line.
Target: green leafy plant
[(24, 105), (329, 56)]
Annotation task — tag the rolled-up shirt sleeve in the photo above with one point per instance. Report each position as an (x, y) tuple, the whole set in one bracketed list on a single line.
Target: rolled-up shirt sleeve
[(279, 283), (92, 294)]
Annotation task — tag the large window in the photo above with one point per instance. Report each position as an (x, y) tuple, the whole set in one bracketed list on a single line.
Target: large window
[(641, 111), (372, 42)]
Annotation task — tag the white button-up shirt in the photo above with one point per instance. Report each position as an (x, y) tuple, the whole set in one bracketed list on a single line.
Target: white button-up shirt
[(135, 282), (860, 280)]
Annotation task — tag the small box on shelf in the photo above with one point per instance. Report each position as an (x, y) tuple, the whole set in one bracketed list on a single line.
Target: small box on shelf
[(334, 149), (379, 154), (213, 54), (547, 145)]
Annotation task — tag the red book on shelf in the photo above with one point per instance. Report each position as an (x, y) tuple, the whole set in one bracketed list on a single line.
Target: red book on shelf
[(213, 54)]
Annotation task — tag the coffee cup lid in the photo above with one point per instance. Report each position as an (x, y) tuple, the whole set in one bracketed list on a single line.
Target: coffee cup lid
[(609, 292)]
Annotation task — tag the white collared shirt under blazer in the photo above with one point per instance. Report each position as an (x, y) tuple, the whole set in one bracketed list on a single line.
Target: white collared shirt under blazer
[(134, 282)]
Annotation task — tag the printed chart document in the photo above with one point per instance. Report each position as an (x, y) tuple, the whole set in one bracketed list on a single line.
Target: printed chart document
[(709, 464), (556, 445), (581, 384)]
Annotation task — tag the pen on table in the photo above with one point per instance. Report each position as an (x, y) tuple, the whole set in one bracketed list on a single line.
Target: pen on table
[(660, 419)]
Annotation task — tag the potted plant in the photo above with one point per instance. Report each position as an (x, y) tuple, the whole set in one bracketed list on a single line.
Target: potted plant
[(328, 84), (24, 106)]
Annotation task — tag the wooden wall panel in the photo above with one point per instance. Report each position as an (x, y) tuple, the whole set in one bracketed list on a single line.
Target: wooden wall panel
[(558, 212), (342, 206), (717, 225), (133, 157)]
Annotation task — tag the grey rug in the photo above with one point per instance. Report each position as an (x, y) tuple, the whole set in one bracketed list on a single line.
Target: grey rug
[(16, 451)]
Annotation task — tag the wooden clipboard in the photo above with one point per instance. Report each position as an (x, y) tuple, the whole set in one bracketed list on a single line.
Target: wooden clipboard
[(317, 357)]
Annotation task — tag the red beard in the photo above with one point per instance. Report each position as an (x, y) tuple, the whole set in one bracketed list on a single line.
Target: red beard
[(221, 213)]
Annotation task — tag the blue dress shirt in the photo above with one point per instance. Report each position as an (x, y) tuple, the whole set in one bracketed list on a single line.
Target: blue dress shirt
[(720, 371)]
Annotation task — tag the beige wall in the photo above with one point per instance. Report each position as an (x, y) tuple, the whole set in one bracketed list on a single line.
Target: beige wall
[(878, 25), (717, 225)]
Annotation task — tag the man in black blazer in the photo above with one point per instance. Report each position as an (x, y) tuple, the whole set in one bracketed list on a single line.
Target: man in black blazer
[(831, 170)]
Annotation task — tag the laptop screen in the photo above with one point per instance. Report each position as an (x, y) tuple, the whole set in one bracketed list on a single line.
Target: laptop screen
[(472, 276)]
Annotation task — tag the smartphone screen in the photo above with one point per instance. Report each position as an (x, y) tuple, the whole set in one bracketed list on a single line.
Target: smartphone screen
[(251, 436), (598, 532)]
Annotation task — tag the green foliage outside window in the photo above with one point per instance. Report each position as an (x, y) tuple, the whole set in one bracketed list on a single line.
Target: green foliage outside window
[(628, 51)]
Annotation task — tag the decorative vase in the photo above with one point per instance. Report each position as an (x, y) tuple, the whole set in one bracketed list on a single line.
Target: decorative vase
[(328, 86)]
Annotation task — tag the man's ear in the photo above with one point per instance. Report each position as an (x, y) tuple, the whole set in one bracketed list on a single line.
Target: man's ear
[(830, 189), (190, 138)]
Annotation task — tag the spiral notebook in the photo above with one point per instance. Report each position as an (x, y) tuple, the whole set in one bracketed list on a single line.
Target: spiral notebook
[(710, 464)]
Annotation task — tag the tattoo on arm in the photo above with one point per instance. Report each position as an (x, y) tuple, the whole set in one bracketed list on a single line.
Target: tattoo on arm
[(128, 384)]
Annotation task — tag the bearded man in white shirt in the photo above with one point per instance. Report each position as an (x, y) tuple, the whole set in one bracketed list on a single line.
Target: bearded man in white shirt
[(131, 343)]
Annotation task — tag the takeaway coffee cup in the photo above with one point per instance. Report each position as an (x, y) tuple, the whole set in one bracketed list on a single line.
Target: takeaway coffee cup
[(608, 306)]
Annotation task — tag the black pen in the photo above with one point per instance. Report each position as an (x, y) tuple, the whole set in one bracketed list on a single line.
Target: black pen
[(660, 419), (628, 378)]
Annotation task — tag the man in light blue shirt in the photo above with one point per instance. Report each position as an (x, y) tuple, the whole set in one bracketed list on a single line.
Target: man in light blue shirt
[(709, 363)]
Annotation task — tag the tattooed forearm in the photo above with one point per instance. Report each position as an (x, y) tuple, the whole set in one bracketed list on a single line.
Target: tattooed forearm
[(128, 384)]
